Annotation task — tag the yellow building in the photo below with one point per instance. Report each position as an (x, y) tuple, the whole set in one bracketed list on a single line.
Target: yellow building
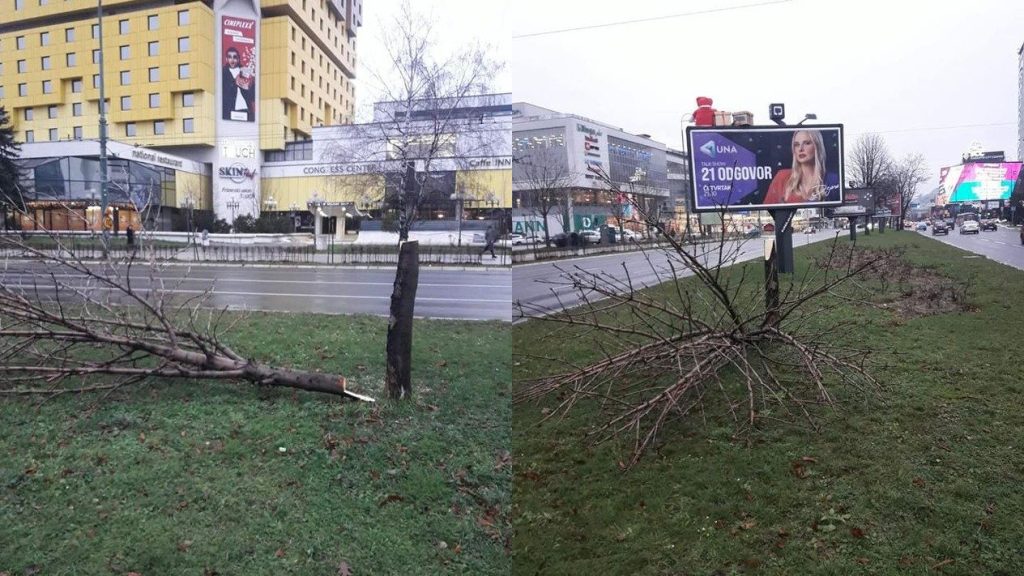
[(161, 70), (170, 84)]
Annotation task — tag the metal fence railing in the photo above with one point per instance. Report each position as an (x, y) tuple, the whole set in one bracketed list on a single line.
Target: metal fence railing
[(335, 254)]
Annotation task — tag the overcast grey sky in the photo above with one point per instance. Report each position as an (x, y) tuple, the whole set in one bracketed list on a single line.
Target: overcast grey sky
[(457, 23), (930, 76)]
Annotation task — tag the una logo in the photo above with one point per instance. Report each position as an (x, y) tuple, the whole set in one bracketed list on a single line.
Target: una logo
[(711, 149)]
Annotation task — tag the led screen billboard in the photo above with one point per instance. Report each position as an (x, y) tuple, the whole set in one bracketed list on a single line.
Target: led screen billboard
[(978, 181), (765, 167)]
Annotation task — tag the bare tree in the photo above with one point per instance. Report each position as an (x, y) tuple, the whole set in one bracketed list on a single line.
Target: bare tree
[(869, 161), (421, 126), (906, 175), (666, 354), (67, 325), (543, 179), (420, 121)]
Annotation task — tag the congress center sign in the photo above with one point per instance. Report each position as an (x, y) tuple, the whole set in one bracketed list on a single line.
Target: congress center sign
[(765, 167)]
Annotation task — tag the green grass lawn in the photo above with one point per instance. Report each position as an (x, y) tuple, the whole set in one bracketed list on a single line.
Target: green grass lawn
[(922, 478), (200, 478)]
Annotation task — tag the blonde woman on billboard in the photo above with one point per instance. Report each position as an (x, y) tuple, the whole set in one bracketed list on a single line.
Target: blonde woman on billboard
[(807, 181)]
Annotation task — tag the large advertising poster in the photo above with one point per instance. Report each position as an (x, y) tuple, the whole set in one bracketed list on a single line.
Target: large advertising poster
[(238, 74), (752, 168), (974, 182)]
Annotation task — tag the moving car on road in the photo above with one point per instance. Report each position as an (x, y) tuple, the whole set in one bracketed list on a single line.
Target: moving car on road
[(922, 226), (970, 227), (988, 224), (940, 227)]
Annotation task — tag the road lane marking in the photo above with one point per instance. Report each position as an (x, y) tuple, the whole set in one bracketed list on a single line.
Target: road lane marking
[(41, 274), (71, 289)]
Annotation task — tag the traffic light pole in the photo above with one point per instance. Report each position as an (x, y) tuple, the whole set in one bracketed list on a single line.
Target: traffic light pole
[(104, 174)]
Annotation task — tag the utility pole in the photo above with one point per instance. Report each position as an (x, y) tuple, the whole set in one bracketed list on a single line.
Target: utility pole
[(104, 174)]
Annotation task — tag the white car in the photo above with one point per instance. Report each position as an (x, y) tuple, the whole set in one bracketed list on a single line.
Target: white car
[(517, 239), (970, 227), (591, 236), (628, 235)]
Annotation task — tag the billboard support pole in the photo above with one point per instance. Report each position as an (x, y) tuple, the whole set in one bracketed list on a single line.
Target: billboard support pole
[(784, 239)]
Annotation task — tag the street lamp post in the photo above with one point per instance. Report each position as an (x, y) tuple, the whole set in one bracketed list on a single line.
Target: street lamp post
[(460, 197), (104, 174), (233, 205)]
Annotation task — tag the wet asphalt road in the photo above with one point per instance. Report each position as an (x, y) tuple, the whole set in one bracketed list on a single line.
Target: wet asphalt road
[(536, 285), (1003, 245), (443, 293)]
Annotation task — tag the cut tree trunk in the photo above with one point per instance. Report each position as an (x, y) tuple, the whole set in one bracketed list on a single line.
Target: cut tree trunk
[(403, 299)]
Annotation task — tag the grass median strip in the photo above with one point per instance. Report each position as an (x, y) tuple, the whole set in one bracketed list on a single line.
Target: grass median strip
[(173, 478), (923, 475)]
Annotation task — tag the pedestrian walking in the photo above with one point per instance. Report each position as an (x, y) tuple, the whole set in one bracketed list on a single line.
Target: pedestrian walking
[(490, 237), (130, 235)]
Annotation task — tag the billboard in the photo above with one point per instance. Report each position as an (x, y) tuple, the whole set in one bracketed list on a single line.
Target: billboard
[(238, 73), (975, 181), (765, 167)]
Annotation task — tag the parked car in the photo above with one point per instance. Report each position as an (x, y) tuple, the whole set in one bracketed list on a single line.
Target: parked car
[(560, 240), (940, 227), (517, 239), (591, 236), (989, 224), (970, 227), (810, 230), (628, 235), (922, 226)]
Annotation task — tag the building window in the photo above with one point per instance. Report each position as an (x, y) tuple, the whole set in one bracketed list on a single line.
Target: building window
[(29, 114), (95, 31), (95, 80), (154, 100), (76, 86), (96, 56), (158, 127), (183, 44), (22, 66), (126, 102), (106, 106), (19, 4), (53, 135), (78, 132), (69, 34), (154, 74), (123, 26), (47, 86), (70, 59), (129, 129), (154, 48), (30, 136), (188, 125), (125, 52), (183, 71), (126, 77), (19, 42), (44, 62), (188, 100), (76, 109), (182, 17), (44, 38), (153, 22), (51, 112)]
